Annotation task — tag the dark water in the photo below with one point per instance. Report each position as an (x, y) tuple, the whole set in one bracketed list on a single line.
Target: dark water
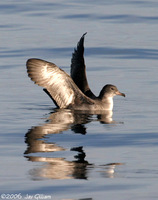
[(60, 154)]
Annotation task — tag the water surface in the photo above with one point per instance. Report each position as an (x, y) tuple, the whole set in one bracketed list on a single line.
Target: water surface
[(78, 155)]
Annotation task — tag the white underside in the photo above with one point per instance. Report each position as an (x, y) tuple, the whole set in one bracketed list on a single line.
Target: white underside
[(110, 103)]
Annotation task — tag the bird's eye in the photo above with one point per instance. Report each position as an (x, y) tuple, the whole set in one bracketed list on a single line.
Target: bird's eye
[(112, 88)]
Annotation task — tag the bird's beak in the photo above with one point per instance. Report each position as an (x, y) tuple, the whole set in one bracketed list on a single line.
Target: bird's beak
[(119, 93)]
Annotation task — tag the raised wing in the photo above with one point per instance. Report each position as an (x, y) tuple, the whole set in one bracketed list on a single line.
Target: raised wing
[(59, 84), (78, 69)]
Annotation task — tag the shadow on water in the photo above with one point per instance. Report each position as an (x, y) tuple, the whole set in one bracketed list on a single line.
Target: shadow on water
[(58, 167)]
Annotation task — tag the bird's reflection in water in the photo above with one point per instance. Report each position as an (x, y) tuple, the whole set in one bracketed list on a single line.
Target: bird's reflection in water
[(60, 168)]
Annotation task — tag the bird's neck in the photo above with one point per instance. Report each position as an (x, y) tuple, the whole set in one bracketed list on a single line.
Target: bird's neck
[(108, 101)]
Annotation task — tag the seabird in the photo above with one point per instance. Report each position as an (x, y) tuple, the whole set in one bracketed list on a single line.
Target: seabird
[(71, 92)]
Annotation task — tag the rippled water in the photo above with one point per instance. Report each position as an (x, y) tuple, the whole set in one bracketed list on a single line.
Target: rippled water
[(78, 155)]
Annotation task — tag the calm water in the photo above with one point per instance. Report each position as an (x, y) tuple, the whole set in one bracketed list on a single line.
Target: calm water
[(70, 155)]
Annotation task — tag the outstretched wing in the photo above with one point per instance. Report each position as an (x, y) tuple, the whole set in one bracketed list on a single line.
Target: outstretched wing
[(59, 84), (78, 69)]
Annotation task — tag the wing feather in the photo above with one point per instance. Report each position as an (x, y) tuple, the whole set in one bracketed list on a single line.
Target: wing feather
[(78, 69), (58, 83)]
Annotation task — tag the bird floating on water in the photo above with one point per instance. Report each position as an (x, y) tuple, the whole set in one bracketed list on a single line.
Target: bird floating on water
[(71, 92)]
